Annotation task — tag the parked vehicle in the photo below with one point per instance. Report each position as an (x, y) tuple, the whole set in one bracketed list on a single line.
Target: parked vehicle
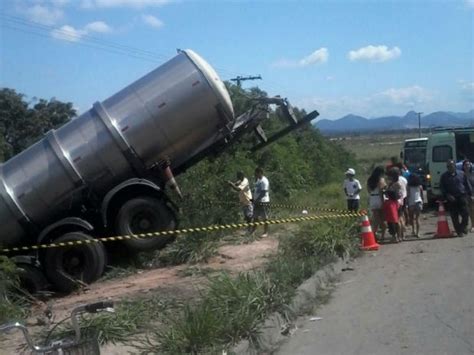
[(414, 157), (75, 344), (445, 144), (107, 171)]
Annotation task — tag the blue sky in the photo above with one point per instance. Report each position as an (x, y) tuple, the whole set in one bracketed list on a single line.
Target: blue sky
[(370, 58)]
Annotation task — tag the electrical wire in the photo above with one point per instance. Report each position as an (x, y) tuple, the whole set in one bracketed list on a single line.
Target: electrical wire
[(35, 28), (83, 37)]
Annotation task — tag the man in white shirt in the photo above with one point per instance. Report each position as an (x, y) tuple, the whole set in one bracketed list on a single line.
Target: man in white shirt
[(261, 199), (245, 195), (352, 189)]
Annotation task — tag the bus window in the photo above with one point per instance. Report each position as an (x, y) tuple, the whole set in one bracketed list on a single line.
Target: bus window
[(442, 153)]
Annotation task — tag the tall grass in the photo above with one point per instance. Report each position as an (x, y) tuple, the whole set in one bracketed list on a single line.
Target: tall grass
[(130, 318), (234, 307), (13, 306)]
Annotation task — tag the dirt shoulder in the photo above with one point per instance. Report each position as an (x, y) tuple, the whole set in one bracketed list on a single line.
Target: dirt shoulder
[(173, 279), (181, 282)]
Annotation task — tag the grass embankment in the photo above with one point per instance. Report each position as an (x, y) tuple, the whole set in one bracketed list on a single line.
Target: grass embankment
[(12, 300), (232, 307)]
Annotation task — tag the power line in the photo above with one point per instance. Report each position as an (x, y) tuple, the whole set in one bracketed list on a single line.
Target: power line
[(31, 27), (83, 37), (79, 43)]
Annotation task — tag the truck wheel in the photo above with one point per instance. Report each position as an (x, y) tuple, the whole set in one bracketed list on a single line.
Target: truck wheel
[(31, 278), (145, 215), (65, 265)]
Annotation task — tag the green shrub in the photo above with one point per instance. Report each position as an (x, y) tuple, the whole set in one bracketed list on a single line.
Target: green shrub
[(233, 307), (12, 303), (333, 238)]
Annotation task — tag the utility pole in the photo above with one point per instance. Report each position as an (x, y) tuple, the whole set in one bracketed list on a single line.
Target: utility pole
[(239, 79), (419, 123)]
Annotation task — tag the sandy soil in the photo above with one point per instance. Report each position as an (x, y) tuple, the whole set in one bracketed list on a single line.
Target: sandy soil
[(171, 282)]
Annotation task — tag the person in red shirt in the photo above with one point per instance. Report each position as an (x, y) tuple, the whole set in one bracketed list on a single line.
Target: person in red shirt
[(391, 205), (390, 209)]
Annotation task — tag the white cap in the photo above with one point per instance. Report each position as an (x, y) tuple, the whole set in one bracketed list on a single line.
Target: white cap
[(350, 171)]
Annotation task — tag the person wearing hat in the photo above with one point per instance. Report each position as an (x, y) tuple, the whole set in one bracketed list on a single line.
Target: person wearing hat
[(352, 188)]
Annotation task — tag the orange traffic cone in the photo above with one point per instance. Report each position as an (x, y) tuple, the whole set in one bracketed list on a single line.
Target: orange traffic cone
[(443, 227), (368, 237)]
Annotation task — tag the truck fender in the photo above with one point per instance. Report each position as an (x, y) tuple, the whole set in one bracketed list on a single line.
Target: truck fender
[(25, 259), (117, 189), (69, 221)]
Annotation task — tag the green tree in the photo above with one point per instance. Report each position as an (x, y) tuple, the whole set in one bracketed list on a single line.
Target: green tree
[(301, 161), (23, 123)]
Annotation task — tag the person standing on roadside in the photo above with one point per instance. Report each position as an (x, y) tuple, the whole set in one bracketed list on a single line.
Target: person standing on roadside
[(403, 211), (261, 199), (352, 189), (415, 203), (245, 195), (376, 186), (392, 204), (467, 169), (457, 190)]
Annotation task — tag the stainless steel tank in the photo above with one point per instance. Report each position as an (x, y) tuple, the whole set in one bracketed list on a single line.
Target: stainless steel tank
[(175, 111)]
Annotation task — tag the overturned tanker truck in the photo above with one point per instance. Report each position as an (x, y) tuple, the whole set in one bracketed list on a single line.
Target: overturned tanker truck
[(106, 172)]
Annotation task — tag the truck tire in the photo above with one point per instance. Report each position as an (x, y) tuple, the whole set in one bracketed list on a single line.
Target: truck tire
[(145, 215), (31, 278), (85, 262)]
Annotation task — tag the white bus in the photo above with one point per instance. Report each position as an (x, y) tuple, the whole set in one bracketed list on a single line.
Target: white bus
[(414, 158)]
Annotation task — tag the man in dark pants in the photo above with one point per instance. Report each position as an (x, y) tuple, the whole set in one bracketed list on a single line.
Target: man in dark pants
[(456, 190)]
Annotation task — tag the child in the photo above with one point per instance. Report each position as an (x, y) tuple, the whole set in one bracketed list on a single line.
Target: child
[(352, 188), (390, 209), (415, 203)]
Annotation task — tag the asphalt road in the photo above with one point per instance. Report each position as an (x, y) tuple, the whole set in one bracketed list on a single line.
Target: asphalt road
[(416, 297)]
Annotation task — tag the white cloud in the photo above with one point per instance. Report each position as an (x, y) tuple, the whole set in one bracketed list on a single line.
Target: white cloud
[(375, 53), (393, 101), (44, 15), (409, 96), (319, 56), (138, 4), (71, 34), (97, 26), (152, 21), (468, 86), (67, 33), (59, 2), (467, 90)]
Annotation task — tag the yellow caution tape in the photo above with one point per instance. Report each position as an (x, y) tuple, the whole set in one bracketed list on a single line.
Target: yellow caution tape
[(282, 205), (212, 228)]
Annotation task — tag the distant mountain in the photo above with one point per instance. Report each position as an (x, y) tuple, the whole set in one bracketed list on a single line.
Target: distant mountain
[(354, 123)]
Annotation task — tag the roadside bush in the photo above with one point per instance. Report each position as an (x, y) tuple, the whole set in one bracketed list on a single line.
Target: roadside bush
[(234, 307), (231, 309), (130, 317), (192, 332), (333, 238), (11, 303)]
